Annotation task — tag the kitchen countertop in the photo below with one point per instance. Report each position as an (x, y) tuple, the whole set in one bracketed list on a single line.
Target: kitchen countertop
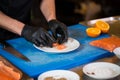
[(114, 30), (79, 71)]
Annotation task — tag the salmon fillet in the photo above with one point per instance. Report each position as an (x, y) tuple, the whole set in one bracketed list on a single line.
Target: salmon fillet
[(59, 46), (109, 43), (7, 73)]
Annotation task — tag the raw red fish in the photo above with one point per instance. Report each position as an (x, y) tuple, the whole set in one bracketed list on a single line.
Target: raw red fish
[(109, 43), (8, 73)]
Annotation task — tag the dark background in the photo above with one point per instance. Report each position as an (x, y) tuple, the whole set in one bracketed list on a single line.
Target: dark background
[(73, 11)]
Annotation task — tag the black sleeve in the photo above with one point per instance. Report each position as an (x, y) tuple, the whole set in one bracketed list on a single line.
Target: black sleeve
[(0, 6), (4, 5)]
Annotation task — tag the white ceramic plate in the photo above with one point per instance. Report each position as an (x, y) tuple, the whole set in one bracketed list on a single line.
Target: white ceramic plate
[(57, 74), (71, 45), (116, 51), (101, 70)]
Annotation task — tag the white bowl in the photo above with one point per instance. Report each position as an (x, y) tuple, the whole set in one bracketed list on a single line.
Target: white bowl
[(57, 74), (116, 51), (101, 70)]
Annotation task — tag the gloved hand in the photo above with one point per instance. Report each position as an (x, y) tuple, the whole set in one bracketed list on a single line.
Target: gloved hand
[(38, 36), (59, 31)]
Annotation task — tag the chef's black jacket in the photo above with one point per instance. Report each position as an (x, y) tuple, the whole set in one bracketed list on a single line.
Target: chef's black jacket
[(22, 10)]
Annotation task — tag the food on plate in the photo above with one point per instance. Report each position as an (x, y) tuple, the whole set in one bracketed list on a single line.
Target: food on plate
[(59, 75), (93, 32), (49, 78), (104, 72), (91, 73), (52, 78), (8, 73), (109, 43), (55, 44), (59, 46), (103, 26), (70, 45), (101, 70)]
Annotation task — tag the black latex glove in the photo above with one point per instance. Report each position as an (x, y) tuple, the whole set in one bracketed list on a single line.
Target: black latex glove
[(37, 36), (59, 31)]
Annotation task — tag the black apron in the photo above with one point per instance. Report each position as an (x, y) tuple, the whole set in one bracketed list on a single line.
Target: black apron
[(22, 10)]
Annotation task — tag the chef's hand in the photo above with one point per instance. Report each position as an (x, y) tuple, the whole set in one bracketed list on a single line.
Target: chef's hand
[(37, 36), (59, 31)]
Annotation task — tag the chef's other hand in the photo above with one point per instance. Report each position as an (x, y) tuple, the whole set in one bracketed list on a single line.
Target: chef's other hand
[(59, 31), (37, 36)]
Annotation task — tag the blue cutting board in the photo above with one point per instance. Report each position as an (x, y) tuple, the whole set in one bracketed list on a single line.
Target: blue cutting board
[(41, 61)]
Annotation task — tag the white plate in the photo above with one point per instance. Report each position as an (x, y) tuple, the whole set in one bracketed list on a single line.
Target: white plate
[(57, 74), (71, 45), (101, 70), (116, 51)]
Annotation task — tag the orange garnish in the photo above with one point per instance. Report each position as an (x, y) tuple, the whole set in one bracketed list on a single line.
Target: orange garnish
[(93, 32), (103, 26)]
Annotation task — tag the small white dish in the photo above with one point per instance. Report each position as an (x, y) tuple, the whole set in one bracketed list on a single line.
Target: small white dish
[(116, 51), (71, 45), (58, 74), (101, 70)]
